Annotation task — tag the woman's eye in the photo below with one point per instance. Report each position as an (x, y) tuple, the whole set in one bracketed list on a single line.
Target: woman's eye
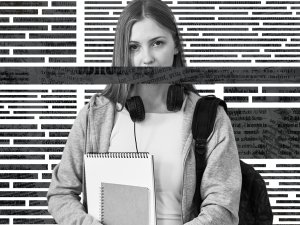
[(133, 47), (158, 43)]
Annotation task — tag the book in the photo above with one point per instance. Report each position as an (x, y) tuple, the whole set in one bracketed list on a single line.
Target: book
[(124, 168), (124, 204)]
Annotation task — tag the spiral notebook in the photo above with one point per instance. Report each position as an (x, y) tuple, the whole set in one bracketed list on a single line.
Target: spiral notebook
[(124, 204), (125, 168)]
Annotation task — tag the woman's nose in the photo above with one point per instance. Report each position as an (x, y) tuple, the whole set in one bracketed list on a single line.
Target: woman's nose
[(148, 58)]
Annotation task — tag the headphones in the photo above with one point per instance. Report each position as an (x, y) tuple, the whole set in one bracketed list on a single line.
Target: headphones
[(136, 109), (175, 97)]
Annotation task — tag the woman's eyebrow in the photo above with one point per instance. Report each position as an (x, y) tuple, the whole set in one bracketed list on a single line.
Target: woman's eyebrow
[(131, 42), (151, 40)]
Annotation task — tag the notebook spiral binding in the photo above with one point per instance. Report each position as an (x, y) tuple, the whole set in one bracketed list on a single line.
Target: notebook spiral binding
[(101, 204), (118, 155)]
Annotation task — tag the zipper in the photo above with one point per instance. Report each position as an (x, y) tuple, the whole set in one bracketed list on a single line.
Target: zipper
[(184, 162)]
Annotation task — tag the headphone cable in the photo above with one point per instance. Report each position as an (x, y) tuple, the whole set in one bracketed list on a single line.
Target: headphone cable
[(135, 138)]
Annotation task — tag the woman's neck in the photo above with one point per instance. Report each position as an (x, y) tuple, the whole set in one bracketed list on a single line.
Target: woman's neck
[(154, 96)]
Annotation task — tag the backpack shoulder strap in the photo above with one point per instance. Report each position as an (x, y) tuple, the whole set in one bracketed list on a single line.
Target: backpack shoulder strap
[(202, 126), (206, 107)]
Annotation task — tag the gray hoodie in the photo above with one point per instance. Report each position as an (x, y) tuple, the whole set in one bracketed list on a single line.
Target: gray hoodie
[(220, 186)]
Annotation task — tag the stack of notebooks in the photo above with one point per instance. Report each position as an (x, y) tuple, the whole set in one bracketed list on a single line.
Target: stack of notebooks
[(120, 188)]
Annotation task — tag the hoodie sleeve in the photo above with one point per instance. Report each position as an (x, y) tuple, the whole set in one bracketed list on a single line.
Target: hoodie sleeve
[(221, 183), (66, 186)]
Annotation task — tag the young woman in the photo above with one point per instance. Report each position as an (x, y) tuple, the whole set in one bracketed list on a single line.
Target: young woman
[(147, 35)]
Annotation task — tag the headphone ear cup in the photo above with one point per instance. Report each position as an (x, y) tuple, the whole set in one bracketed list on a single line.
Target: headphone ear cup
[(175, 97), (136, 109)]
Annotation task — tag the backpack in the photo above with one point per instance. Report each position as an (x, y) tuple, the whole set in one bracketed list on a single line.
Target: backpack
[(255, 208)]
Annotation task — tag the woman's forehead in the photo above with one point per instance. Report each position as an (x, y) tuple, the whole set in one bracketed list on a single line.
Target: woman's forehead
[(148, 29)]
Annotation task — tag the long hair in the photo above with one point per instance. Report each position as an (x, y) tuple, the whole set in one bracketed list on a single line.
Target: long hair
[(136, 11)]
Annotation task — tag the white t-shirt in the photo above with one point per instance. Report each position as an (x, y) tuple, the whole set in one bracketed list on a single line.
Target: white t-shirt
[(160, 134)]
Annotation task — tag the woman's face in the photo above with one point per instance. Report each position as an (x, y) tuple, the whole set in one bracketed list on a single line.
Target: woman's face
[(151, 45)]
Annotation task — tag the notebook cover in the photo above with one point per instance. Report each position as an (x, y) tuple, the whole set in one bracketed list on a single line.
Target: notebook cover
[(124, 204), (126, 168)]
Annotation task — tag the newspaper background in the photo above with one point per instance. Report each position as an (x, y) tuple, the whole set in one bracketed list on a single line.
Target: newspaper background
[(246, 52)]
